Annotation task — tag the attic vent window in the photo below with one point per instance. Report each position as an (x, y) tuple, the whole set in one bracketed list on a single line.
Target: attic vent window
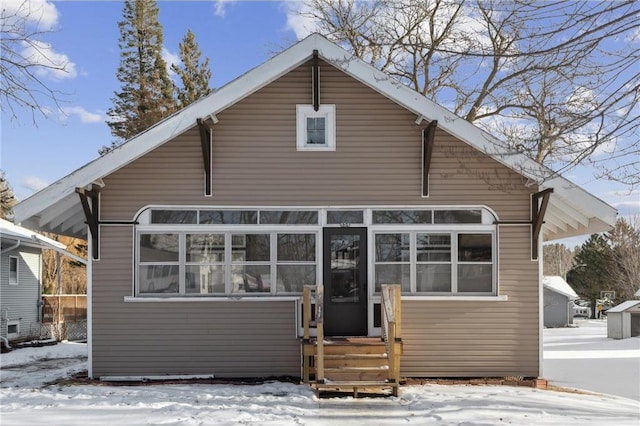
[(316, 130)]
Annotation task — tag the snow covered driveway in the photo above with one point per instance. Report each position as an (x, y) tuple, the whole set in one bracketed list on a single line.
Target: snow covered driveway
[(583, 357)]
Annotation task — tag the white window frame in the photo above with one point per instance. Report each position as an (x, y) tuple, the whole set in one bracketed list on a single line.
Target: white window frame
[(15, 281), (438, 229), (17, 333), (328, 111)]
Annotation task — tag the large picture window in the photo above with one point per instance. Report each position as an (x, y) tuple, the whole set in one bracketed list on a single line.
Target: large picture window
[(435, 263), (225, 263)]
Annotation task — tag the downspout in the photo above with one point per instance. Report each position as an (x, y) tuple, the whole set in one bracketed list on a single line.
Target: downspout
[(13, 247), (6, 342)]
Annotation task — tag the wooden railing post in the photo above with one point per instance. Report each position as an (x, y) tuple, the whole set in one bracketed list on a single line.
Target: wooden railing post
[(320, 335), (306, 311)]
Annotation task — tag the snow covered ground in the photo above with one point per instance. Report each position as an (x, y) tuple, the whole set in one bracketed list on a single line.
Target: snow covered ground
[(583, 357), (25, 398)]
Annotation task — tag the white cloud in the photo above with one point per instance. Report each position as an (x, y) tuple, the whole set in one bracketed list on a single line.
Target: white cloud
[(34, 183), (220, 8), (54, 65), (84, 115), (41, 14), (171, 59), (299, 21)]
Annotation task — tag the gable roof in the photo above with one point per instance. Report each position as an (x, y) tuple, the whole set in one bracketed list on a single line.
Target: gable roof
[(14, 232), (559, 285), (629, 304), (572, 210)]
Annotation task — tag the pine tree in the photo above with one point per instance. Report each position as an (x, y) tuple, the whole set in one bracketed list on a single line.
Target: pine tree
[(594, 265), (7, 198), (195, 76), (146, 96)]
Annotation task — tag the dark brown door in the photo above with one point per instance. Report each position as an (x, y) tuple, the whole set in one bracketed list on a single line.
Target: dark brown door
[(345, 281)]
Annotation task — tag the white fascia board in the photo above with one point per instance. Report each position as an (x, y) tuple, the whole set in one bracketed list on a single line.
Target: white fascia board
[(582, 201)]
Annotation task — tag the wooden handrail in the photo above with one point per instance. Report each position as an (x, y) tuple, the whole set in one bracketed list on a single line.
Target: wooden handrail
[(319, 323), (391, 328)]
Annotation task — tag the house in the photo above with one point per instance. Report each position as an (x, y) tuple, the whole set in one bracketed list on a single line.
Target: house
[(21, 280), (623, 321), (558, 302), (313, 168)]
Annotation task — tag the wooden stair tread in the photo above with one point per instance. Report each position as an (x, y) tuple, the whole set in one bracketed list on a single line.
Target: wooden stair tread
[(347, 383), (355, 356), (352, 369)]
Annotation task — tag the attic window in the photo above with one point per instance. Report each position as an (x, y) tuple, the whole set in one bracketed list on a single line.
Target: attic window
[(316, 130)]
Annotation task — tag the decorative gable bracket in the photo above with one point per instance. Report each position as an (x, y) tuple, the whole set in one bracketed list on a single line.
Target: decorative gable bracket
[(206, 142), (538, 210), (92, 215), (428, 137)]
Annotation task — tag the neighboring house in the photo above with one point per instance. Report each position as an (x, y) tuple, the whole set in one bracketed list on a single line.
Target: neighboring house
[(313, 169), (623, 321), (558, 302), (21, 280)]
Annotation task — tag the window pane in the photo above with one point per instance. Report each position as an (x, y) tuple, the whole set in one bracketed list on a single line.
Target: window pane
[(228, 217), (159, 247), (256, 248), (296, 247), (475, 278), (457, 216), (288, 217), (433, 247), (392, 248), (474, 247), (13, 270), (316, 131), (173, 216), (292, 278), (159, 279), (205, 248), (205, 279), (251, 278), (432, 278), (337, 217), (402, 216), (393, 274)]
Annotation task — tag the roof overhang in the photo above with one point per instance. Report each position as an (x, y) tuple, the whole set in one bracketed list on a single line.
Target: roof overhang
[(57, 207)]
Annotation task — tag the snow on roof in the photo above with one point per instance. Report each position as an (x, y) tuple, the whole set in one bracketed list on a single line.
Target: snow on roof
[(559, 285), (638, 293), (8, 229), (624, 306)]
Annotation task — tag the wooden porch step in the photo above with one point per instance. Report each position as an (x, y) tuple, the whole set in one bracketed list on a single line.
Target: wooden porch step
[(375, 386)]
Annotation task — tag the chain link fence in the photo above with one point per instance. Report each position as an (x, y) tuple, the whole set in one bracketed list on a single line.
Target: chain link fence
[(64, 317)]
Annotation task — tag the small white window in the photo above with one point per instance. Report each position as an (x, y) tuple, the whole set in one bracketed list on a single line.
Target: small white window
[(13, 329), (316, 130), (13, 270)]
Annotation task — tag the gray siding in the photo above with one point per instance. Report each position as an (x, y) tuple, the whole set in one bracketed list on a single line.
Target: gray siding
[(255, 162), (556, 309), (226, 339), (21, 302)]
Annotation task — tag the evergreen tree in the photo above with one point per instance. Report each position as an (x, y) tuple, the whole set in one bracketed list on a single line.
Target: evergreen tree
[(146, 96), (594, 265), (7, 198), (195, 76)]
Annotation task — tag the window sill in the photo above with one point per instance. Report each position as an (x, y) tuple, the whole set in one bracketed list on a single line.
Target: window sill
[(502, 298), (155, 299)]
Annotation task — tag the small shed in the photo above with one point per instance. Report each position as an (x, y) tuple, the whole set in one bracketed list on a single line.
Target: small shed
[(558, 302), (623, 321)]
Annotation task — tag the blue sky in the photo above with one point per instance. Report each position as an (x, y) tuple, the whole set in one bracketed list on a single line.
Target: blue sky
[(235, 35)]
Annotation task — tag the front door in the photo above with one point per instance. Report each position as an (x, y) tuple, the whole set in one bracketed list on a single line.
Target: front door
[(345, 281)]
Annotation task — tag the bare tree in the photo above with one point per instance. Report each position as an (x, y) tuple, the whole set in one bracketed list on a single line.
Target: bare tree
[(557, 80), (624, 239), (558, 260), (26, 60)]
